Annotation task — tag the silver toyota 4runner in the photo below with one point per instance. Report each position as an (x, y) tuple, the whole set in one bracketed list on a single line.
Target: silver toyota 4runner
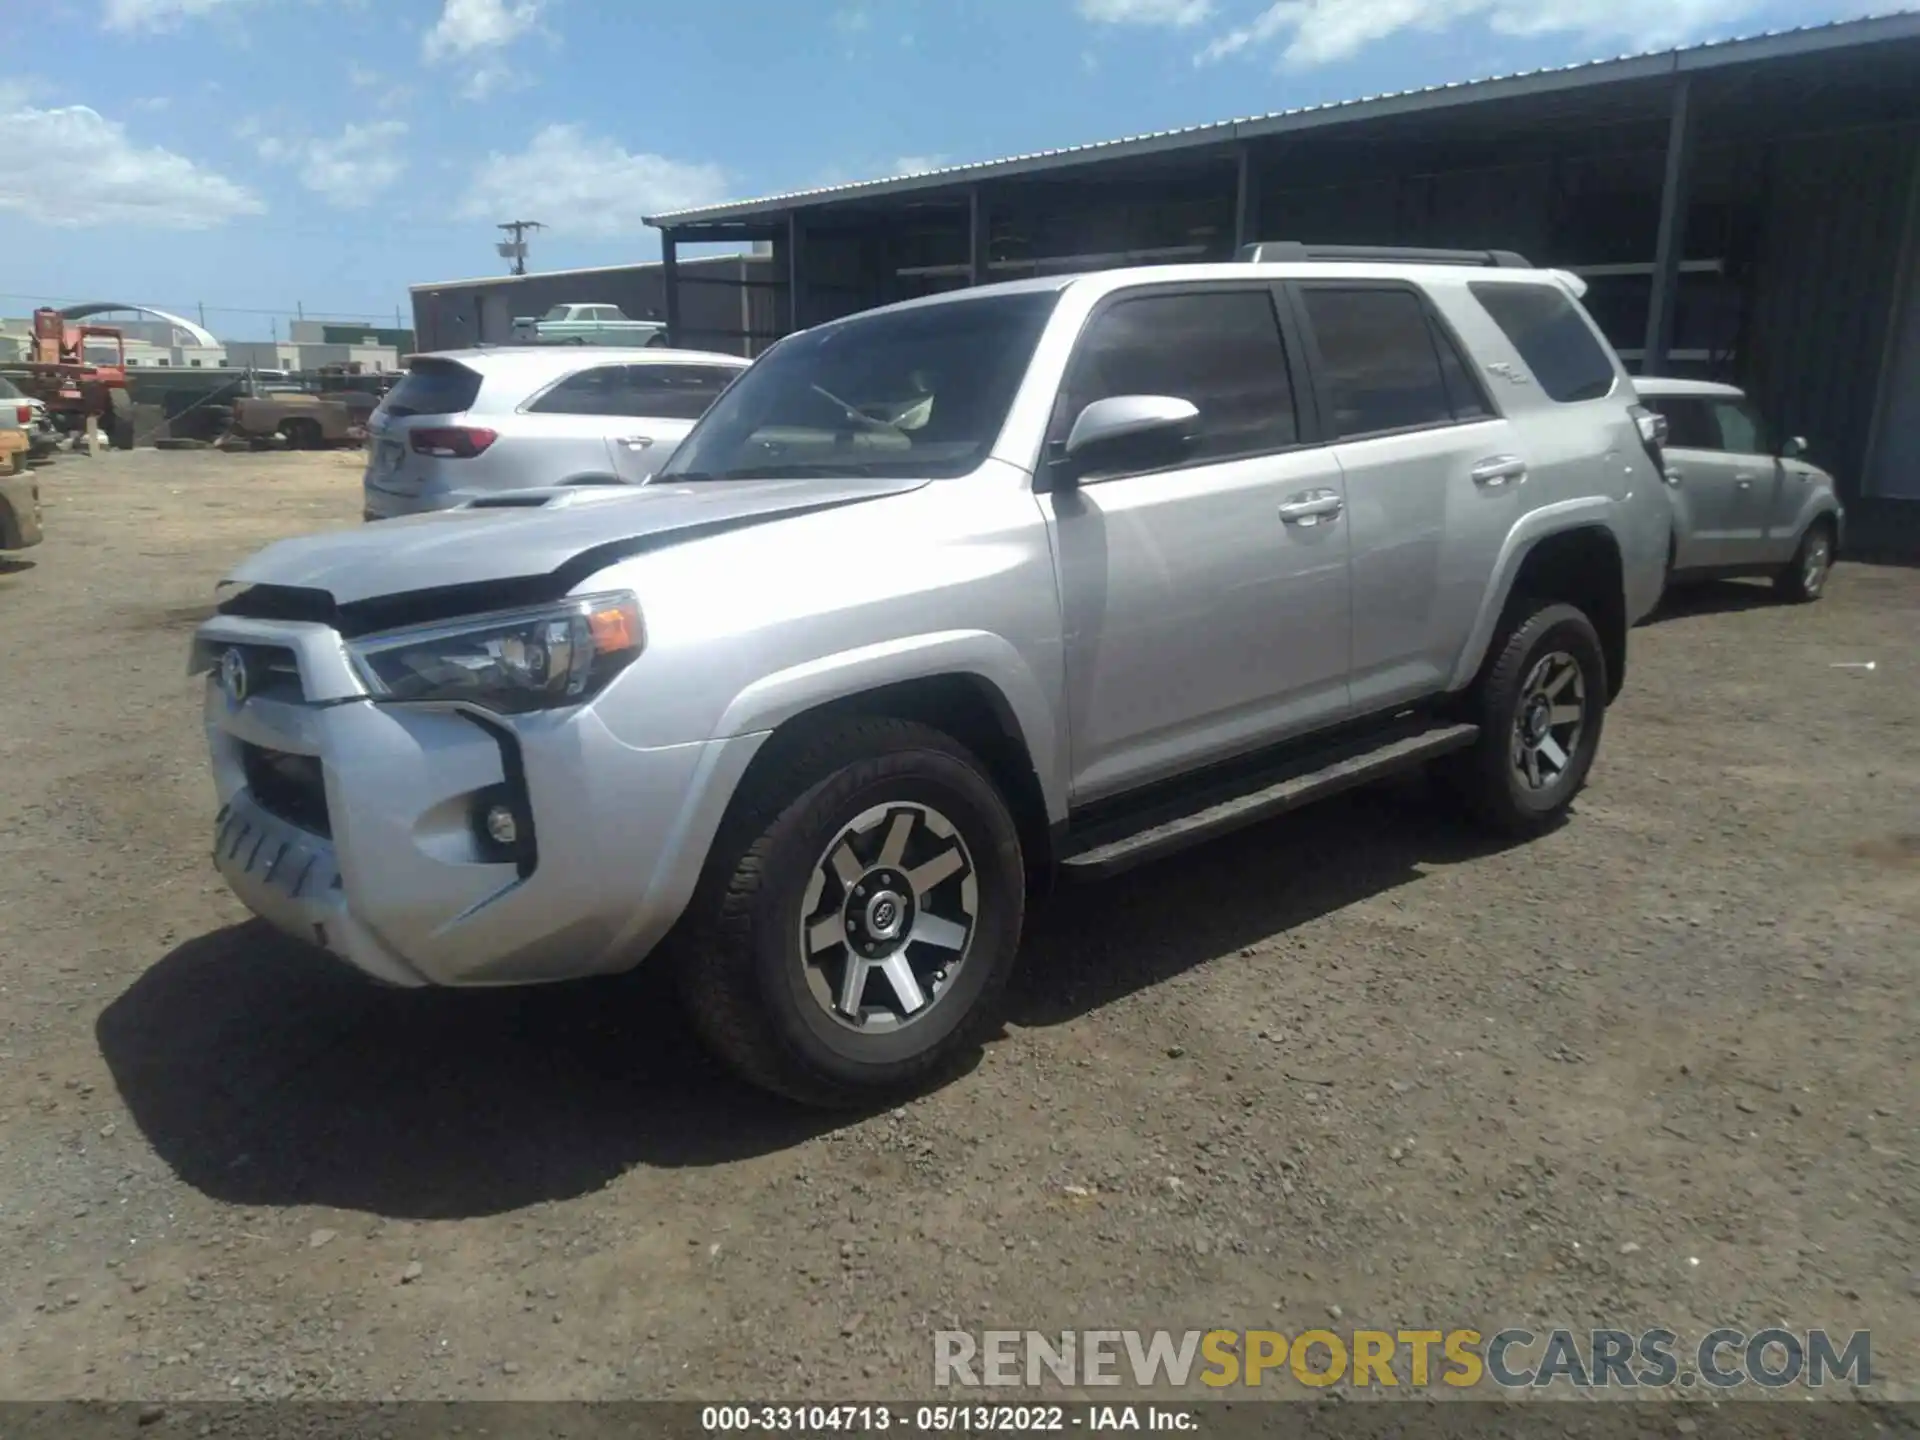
[(935, 603)]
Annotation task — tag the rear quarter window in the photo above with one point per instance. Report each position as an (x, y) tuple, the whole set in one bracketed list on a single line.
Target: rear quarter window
[(434, 387), (1552, 336)]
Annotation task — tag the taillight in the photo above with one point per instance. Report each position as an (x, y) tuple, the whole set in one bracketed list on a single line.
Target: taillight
[(23, 414), (455, 442), (1652, 428)]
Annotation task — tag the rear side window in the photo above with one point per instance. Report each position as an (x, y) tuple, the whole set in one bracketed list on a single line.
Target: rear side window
[(1219, 349), (1552, 338), (434, 387), (1380, 362), (598, 391), (1690, 424), (675, 392)]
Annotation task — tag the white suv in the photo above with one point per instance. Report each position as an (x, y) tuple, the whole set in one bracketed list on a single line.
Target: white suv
[(464, 423)]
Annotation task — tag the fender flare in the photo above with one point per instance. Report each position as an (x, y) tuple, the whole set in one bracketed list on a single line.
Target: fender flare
[(1587, 512), (774, 699)]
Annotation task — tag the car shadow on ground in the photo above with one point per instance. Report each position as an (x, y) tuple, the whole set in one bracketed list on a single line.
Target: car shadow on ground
[(15, 567), (1713, 597), (265, 1073)]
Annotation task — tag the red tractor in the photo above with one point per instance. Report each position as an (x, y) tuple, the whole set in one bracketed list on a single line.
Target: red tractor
[(75, 385)]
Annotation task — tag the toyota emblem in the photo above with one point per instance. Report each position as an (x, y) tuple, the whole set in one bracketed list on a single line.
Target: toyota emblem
[(234, 679)]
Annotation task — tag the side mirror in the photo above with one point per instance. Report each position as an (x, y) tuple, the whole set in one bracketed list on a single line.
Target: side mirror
[(1132, 429), (1794, 448)]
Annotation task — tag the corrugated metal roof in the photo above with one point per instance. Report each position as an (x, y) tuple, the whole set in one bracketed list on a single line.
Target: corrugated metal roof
[(1712, 54)]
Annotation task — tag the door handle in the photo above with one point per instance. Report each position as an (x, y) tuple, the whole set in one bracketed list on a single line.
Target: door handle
[(636, 442), (1500, 470), (1674, 476), (1743, 482), (1314, 508)]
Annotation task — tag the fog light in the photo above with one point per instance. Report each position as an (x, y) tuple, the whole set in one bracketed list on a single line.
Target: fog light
[(503, 828)]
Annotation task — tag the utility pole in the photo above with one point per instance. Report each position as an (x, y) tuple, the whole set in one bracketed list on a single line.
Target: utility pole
[(516, 248)]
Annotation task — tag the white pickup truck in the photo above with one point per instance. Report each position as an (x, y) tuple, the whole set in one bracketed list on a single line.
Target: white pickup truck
[(583, 324)]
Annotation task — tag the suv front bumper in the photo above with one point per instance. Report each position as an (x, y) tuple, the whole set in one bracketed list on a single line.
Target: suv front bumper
[(376, 854)]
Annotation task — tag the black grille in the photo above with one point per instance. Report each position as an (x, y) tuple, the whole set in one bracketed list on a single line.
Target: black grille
[(291, 787)]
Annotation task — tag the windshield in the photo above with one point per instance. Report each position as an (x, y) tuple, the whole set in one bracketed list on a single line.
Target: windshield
[(7, 391), (917, 392)]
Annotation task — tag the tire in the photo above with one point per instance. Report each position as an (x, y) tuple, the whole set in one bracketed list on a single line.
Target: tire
[(753, 995), (1804, 579), (1492, 780), (120, 429), (301, 434)]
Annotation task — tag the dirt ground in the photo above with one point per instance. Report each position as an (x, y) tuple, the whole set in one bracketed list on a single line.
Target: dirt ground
[(1657, 1068)]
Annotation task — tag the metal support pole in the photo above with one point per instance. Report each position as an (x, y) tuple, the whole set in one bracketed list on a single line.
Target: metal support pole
[(976, 237), (1671, 245), (796, 284), (670, 282), (1246, 199)]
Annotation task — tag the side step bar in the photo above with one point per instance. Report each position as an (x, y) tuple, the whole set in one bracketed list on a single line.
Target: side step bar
[(1313, 777)]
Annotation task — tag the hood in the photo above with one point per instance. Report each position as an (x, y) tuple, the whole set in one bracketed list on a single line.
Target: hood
[(547, 549)]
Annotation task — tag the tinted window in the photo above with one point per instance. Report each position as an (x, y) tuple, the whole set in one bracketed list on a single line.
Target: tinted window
[(1552, 338), (921, 390), (1690, 424), (599, 391), (1741, 430), (434, 387), (675, 392), (1219, 350), (1381, 366), (1464, 394)]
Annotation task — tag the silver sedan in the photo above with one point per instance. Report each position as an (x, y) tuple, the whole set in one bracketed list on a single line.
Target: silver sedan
[(466, 423)]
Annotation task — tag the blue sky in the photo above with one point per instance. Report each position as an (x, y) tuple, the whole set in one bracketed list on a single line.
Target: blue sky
[(255, 155)]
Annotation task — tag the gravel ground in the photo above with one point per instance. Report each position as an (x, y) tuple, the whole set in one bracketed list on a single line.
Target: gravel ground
[(1659, 1067)]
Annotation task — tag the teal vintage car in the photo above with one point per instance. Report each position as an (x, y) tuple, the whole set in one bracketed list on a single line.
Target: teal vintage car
[(588, 324)]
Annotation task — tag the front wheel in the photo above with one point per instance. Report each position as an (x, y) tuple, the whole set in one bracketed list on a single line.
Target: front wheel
[(860, 914), (1540, 707), (1805, 578)]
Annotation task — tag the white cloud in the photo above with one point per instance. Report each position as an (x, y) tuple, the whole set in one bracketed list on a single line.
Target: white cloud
[(478, 32), (349, 170), (1176, 13), (72, 166), (582, 184), (919, 164), (136, 15), (1316, 32), (467, 26)]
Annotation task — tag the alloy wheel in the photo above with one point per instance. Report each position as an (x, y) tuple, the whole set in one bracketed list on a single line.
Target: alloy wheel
[(1550, 721), (889, 916)]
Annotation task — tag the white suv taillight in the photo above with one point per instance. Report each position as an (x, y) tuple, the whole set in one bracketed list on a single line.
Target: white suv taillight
[(451, 442), (1653, 433)]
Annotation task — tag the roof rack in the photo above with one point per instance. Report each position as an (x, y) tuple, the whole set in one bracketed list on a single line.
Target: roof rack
[(1296, 252)]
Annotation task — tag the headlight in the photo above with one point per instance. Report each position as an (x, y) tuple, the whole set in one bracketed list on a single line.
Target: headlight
[(513, 661)]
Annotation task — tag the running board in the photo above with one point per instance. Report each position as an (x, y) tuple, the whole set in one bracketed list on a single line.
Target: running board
[(1312, 777)]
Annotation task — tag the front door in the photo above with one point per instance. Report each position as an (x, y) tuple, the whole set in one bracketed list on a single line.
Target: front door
[(1205, 598)]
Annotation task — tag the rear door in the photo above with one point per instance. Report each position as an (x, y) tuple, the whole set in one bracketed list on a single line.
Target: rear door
[(1433, 478), (1701, 483), (566, 431), (658, 407)]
